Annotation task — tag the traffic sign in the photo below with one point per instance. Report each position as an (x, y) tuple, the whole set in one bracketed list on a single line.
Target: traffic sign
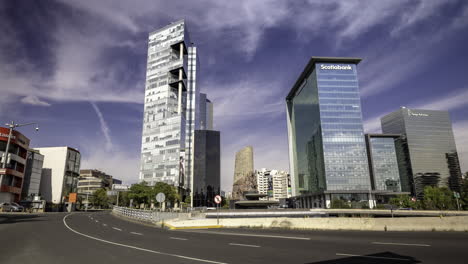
[(160, 197), (218, 199)]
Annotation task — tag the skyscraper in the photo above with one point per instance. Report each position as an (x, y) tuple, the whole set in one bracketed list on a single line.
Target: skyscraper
[(432, 152), (170, 112), (327, 152), (244, 177)]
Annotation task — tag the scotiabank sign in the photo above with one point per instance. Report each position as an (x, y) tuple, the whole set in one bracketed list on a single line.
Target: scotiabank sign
[(335, 67)]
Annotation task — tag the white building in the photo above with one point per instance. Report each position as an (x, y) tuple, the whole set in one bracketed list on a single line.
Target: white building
[(274, 183), (60, 172)]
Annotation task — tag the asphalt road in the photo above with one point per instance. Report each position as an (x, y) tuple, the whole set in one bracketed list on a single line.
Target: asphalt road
[(102, 238)]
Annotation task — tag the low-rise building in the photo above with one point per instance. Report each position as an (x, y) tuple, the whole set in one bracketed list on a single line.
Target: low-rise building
[(273, 183), (60, 171), (91, 180)]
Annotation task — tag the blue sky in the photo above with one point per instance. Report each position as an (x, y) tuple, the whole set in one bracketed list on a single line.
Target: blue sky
[(78, 68)]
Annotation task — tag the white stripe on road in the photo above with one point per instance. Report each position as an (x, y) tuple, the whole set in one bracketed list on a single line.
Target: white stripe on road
[(104, 224), (239, 234), (364, 256), (97, 221), (135, 233), (137, 248), (401, 244), (118, 229), (178, 238), (243, 245)]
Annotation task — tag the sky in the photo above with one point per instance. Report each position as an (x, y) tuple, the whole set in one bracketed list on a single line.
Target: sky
[(78, 68)]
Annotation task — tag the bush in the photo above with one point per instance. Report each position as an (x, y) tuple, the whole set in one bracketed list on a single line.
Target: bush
[(340, 204)]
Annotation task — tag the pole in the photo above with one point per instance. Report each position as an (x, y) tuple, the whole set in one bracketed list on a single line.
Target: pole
[(458, 204), (118, 198), (6, 151), (87, 199), (217, 214)]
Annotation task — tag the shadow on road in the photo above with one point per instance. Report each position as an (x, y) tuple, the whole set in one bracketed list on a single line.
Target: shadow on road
[(378, 258), (17, 218)]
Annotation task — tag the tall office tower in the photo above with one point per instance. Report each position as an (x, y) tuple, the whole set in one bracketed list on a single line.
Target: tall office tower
[(244, 177), (207, 168), (431, 146), (206, 112), (170, 115), (327, 152)]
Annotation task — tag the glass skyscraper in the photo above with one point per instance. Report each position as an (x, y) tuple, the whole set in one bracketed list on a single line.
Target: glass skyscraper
[(328, 158), (431, 146), (169, 113)]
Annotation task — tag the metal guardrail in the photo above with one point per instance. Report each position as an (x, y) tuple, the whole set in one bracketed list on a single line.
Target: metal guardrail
[(147, 215)]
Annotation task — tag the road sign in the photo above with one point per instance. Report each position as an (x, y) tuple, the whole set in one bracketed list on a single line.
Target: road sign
[(218, 199), (160, 197), (456, 194)]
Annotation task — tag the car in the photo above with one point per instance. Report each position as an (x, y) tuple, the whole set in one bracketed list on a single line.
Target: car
[(11, 207)]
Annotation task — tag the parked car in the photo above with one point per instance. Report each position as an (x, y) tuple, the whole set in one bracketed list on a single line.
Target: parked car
[(11, 207)]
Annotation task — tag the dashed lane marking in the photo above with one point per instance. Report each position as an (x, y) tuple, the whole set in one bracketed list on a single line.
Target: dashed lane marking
[(243, 245), (373, 257), (401, 244), (178, 238), (135, 233), (118, 229), (137, 248)]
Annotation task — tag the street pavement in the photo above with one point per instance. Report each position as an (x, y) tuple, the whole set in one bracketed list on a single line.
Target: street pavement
[(99, 237)]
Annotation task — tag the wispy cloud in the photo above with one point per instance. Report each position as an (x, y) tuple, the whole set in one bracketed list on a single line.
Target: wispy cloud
[(33, 100), (104, 127)]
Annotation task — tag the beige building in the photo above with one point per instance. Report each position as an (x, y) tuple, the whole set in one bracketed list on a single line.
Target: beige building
[(244, 176)]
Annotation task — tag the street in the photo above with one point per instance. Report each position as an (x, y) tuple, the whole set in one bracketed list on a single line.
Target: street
[(99, 237)]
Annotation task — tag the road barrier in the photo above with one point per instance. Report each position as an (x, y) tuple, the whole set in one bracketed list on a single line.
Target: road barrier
[(147, 215)]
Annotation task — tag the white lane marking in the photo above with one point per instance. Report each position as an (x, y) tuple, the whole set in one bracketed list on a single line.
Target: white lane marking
[(104, 224), (401, 244), (118, 229), (135, 233), (97, 221), (252, 235), (243, 245), (137, 248), (178, 238), (364, 256)]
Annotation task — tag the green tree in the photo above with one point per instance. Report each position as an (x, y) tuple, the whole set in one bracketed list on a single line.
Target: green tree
[(141, 193), (100, 198), (464, 192), (169, 191), (339, 204), (438, 198)]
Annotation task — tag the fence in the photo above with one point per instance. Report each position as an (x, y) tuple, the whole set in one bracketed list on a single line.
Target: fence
[(148, 216)]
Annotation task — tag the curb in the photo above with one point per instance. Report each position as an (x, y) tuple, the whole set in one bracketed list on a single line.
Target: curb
[(171, 227)]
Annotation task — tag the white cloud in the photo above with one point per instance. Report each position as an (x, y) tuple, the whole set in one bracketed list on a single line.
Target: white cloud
[(33, 100), (104, 127)]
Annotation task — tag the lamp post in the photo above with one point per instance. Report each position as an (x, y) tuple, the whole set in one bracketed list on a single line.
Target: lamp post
[(12, 126)]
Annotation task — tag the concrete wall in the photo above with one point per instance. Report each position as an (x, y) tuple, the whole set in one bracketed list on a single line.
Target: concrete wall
[(453, 223)]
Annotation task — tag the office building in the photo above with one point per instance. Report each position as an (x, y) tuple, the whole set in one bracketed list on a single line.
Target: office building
[(12, 167), (32, 175), (60, 172), (207, 164), (206, 112), (275, 184), (327, 151), (91, 180), (430, 144), (244, 176), (171, 110)]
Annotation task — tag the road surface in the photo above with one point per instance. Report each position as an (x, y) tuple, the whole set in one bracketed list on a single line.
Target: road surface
[(99, 237)]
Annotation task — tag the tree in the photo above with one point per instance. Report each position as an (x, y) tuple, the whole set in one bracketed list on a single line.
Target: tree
[(339, 204), (100, 198), (438, 198), (169, 191), (464, 192), (141, 193)]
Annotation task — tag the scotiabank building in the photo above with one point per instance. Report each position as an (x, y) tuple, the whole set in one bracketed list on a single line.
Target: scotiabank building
[(11, 177)]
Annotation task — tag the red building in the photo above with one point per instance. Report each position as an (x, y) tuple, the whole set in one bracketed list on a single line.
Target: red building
[(11, 178)]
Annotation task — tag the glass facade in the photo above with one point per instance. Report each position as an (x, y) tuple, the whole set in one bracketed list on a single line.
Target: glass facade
[(430, 143), (164, 122), (207, 168), (384, 164), (327, 146)]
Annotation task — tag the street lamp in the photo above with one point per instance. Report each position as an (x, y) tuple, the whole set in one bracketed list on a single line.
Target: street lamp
[(12, 126)]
